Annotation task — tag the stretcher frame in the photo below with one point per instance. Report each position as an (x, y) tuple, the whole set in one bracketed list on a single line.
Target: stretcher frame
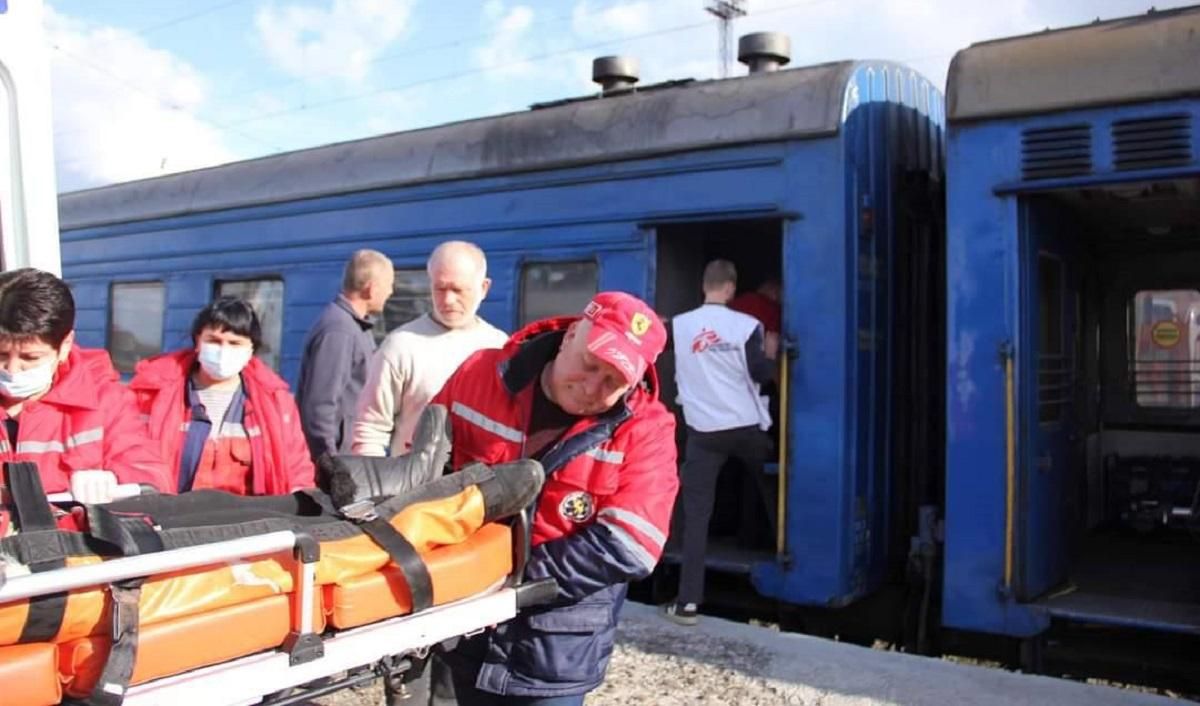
[(305, 656)]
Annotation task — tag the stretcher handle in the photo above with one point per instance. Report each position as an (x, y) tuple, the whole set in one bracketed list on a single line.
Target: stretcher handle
[(122, 491)]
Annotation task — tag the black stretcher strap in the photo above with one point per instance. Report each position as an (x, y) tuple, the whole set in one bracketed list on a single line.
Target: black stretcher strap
[(33, 516), (406, 558), (114, 679)]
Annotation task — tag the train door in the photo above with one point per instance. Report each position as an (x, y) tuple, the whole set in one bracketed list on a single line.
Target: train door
[(740, 533), (1049, 449)]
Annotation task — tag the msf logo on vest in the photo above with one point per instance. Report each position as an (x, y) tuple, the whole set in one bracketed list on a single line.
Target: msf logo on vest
[(704, 340)]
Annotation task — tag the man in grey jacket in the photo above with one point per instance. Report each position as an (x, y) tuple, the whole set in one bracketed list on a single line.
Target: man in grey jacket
[(338, 350)]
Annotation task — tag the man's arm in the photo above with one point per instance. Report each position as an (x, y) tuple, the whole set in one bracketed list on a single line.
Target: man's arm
[(328, 368), (762, 370), (627, 538), (376, 416)]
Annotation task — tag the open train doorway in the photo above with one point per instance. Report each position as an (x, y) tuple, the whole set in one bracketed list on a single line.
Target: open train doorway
[(741, 531), (1108, 522)]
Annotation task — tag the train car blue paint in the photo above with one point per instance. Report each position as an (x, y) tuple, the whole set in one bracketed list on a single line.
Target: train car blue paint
[(825, 169), (996, 231)]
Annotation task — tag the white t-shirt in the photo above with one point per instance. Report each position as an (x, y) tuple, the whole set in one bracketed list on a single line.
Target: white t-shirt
[(410, 367)]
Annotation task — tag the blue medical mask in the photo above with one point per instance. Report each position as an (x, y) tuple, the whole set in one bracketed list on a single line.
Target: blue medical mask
[(29, 382), (223, 362)]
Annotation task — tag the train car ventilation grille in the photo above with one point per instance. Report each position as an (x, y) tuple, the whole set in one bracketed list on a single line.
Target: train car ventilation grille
[(1152, 143), (1055, 152)]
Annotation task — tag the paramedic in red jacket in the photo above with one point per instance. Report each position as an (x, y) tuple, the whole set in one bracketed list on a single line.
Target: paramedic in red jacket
[(579, 394), (222, 418), (63, 406)]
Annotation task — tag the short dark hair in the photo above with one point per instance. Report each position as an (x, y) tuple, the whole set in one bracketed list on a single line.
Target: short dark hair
[(719, 272), (232, 314), (35, 305)]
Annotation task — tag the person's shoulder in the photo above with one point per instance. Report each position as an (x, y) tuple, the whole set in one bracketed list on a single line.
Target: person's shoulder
[(492, 334)]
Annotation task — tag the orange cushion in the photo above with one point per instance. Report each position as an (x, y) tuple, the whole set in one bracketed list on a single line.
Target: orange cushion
[(457, 571), (29, 675), (178, 645)]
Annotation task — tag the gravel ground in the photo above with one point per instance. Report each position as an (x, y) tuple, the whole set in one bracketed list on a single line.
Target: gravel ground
[(721, 662)]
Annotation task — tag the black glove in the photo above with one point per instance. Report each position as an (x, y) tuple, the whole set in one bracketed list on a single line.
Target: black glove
[(349, 479)]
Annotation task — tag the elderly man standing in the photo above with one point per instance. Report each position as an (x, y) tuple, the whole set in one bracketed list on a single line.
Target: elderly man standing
[(415, 360), (337, 353)]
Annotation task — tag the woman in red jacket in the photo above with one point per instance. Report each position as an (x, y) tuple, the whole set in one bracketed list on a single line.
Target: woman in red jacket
[(221, 417), (63, 406)]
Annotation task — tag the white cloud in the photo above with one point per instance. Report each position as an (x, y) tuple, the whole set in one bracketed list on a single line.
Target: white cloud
[(622, 19), (340, 41), (122, 109), (510, 44)]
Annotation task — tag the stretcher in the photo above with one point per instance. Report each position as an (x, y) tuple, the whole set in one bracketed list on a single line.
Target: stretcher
[(252, 612)]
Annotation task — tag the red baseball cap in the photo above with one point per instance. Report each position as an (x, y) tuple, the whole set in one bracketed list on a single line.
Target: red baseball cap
[(626, 333)]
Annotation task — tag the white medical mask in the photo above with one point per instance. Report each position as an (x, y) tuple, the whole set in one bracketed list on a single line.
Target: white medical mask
[(27, 383), (223, 362)]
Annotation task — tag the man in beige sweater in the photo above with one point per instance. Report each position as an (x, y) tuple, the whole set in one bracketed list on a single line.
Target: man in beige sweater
[(415, 360)]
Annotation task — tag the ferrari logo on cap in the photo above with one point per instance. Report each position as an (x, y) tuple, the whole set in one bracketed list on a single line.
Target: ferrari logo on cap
[(639, 324)]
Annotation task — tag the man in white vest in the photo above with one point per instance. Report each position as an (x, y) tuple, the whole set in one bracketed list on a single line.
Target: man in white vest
[(720, 364)]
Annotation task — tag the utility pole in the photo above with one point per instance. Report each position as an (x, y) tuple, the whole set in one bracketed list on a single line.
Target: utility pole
[(726, 11)]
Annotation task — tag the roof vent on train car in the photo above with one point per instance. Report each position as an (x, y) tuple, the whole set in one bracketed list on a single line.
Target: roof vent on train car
[(764, 51), (615, 73), (1055, 152), (1152, 143)]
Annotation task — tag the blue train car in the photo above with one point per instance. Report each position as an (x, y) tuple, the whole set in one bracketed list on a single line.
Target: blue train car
[(828, 177), (1073, 351)]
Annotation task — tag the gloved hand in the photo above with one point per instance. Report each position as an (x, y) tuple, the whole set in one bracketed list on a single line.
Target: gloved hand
[(93, 487), (348, 479)]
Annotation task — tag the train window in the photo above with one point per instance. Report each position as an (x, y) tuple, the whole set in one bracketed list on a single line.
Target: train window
[(557, 288), (410, 299), (1164, 348), (135, 322), (1054, 369), (266, 296)]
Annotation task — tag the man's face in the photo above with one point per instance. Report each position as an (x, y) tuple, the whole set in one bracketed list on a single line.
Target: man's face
[(17, 355), (580, 383), (457, 290)]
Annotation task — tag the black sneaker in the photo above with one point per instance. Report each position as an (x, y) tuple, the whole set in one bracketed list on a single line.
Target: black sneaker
[(684, 614)]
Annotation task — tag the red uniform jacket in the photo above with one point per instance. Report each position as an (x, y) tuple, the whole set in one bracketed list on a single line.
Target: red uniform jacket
[(601, 521), (87, 421), (279, 459)]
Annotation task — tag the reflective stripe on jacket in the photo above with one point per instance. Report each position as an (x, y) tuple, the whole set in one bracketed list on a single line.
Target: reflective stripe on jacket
[(601, 521), (87, 421), (279, 457)]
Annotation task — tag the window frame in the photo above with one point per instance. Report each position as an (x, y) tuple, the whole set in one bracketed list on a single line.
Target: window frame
[(523, 267), (1156, 297), (113, 287), (275, 348), (383, 327)]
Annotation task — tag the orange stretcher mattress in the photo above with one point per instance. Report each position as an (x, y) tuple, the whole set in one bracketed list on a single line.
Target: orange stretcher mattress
[(164, 597), (456, 570), (29, 675), (191, 642)]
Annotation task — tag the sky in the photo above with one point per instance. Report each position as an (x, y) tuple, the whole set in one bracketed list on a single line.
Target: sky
[(142, 89)]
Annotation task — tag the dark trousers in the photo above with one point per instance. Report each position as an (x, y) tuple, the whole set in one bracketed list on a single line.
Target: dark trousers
[(468, 695), (705, 453)]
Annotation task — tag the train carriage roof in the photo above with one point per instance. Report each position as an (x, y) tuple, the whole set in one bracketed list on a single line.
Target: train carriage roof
[(1150, 57), (797, 103)]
